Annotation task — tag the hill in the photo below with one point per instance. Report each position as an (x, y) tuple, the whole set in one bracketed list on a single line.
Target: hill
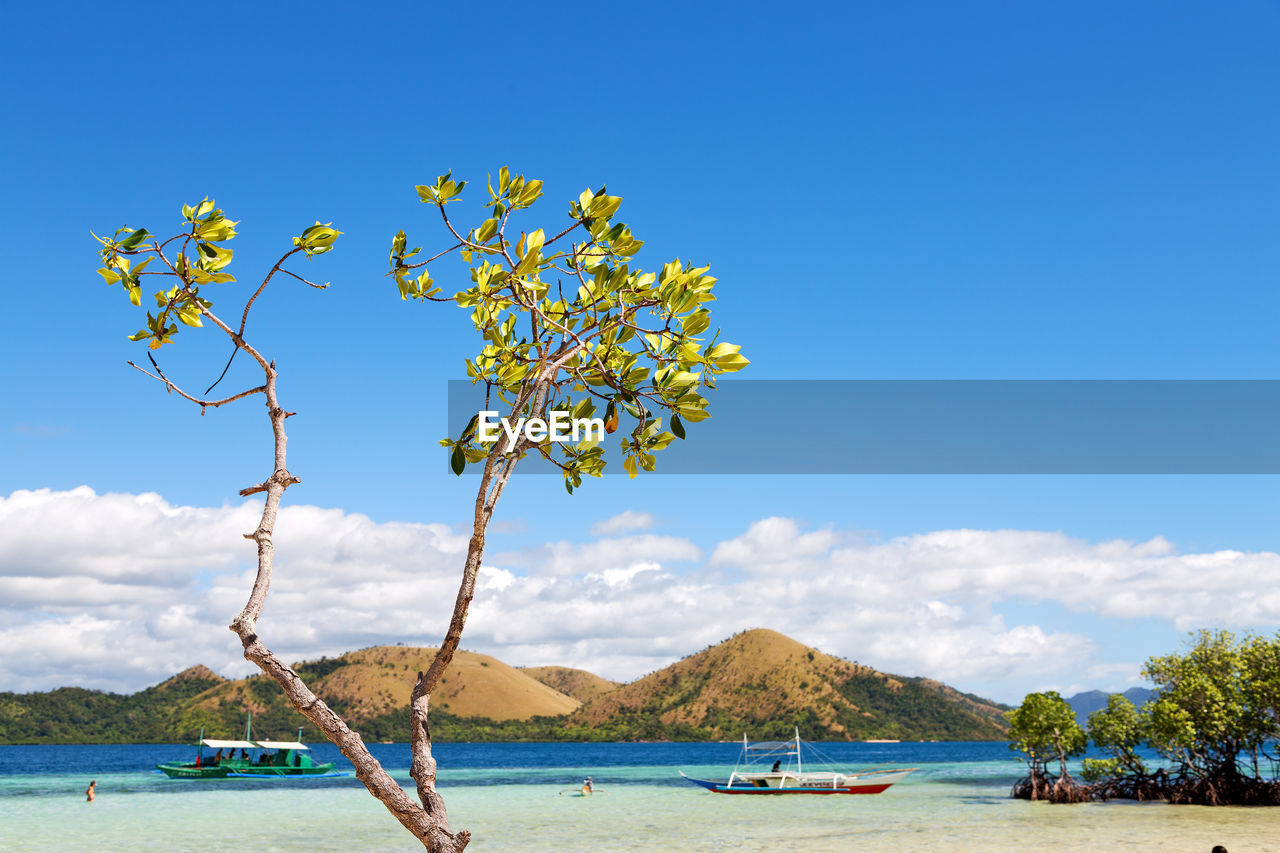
[(758, 682), (762, 683), (371, 688), (76, 715), (578, 683), (372, 681), (1089, 701)]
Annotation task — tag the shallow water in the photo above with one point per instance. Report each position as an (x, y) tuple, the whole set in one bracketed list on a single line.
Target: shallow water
[(510, 797)]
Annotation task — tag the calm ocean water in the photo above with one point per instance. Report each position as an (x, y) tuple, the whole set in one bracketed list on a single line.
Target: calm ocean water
[(509, 796)]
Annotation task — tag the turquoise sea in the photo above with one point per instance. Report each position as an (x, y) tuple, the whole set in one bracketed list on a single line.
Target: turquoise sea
[(509, 796)]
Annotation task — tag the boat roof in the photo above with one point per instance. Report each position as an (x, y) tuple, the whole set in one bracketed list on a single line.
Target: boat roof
[(765, 750), (214, 743), (229, 744), (771, 745)]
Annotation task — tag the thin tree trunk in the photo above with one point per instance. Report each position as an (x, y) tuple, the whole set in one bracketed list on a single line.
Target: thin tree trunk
[(428, 820)]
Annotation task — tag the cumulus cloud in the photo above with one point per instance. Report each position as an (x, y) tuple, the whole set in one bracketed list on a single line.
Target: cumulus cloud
[(623, 522), (777, 543), (120, 591)]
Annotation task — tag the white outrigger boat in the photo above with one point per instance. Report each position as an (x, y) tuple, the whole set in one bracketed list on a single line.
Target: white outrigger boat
[(787, 775)]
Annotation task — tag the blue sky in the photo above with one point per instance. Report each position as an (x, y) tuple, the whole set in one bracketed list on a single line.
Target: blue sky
[(930, 190)]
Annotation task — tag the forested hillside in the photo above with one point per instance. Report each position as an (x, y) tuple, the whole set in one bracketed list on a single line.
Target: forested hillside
[(758, 683)]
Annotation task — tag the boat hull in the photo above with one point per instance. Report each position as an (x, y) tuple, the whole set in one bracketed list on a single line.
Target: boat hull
[(873, 784), (188, 770)]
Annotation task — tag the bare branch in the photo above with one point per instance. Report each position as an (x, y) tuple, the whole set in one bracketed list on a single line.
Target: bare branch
[(565, 231), (304, 281), (244, 318), (434, 257), (461, 240), (203, 404)]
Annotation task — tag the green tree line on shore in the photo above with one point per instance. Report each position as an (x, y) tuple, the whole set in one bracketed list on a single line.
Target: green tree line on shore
[(1214, 722)]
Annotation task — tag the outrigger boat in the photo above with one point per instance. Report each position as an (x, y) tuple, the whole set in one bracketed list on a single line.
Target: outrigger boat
[(751, 777), (261, 759)]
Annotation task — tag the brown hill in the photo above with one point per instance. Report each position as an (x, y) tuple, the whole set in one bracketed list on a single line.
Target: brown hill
[(763, 683), (378, 680), (759, 683), (198, 673), (578, 683)]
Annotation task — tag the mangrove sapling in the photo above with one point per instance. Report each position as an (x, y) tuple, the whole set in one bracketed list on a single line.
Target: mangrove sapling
[(1119, 729), (1044, 728), (567, 327), (1215, 719), (627, 340), (191, 261)]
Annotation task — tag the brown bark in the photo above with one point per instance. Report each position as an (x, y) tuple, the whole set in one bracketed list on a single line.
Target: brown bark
[(498, 468), (427, 820)]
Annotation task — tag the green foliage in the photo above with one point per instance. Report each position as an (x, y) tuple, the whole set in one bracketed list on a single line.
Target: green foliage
[(1118, 729), (573, 327), (263, 689), (317, 239), (198, 260), (315, 669), (913, 711), (1215, 717), (1215, 701), (1100, 769), (1045, 728), (75, 715)]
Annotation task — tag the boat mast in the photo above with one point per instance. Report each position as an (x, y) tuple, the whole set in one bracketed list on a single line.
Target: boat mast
[(200, 747), (247, 724), (799, 766)]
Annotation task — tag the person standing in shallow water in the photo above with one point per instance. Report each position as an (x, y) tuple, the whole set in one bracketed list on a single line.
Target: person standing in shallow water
[(88, 792)]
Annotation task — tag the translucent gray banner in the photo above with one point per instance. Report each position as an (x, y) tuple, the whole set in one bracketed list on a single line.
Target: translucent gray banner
[(963, 427)]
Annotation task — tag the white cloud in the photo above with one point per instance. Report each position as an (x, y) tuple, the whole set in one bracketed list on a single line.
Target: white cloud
[(120, 591), (566, 559), (622, 577), (623, 522), (774, 542)]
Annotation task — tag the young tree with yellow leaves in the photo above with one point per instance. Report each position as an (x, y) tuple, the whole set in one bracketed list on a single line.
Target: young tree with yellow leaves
[(567, 326)]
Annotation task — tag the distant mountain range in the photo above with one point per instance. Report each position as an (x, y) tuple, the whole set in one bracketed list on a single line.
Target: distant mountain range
[(1086, 703), (759, 682)]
